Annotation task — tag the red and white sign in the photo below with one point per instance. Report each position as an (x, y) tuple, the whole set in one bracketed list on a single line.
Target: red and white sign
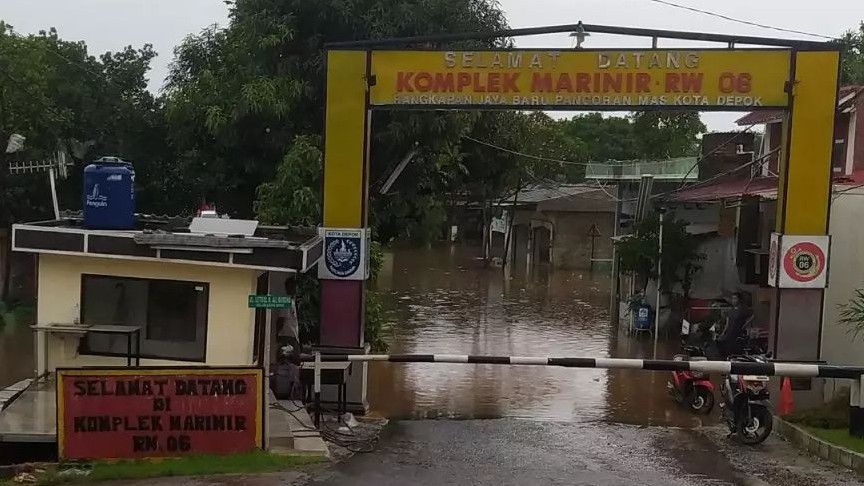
[(158, 412), (803, 261)]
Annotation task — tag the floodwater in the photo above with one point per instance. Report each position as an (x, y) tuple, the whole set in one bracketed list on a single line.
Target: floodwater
[(16, 350), (444, 301)]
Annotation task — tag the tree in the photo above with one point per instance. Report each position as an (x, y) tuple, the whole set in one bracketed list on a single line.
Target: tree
[(639, 253), (293, 198), (852, 56), (60, 97), (852, 314), (642, 135), (661, 135), (237, 97)]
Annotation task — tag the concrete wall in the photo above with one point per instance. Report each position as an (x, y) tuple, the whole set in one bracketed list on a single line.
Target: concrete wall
[(230, 326), (571, 246), (571, 243), (845, 274)]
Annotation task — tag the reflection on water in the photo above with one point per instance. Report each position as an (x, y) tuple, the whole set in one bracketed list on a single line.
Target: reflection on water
[(16, 351), (445, 302)]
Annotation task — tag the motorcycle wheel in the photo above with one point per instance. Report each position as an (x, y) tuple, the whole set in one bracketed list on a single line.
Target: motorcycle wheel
[(757, 428), (701, 400)]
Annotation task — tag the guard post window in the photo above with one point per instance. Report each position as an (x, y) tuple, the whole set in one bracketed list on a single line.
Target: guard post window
[(172, 315)]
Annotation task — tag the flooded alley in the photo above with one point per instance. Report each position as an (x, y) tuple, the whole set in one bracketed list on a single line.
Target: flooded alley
[(444, 301)]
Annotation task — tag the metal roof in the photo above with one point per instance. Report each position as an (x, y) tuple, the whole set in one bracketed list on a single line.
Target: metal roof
[(765, 187), (845, 96)]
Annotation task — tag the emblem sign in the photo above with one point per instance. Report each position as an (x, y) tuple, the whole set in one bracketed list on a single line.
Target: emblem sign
[(801, 262), (346, 254)]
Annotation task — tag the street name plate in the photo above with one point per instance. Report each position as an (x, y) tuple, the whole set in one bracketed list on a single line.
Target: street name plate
[(269, 301)]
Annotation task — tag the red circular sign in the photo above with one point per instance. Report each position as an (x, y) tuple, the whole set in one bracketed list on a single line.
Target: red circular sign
[(804, 261)]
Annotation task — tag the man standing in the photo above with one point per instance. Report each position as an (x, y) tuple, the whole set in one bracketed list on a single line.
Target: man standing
[(287, 337)]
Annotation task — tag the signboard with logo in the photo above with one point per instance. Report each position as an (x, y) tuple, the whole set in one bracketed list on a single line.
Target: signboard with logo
[(346, 254), (750, 78), (798, 261), (158, 412)]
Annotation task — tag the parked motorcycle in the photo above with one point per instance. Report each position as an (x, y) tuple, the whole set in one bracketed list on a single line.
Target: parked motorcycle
[(745, 404), (692, 388)]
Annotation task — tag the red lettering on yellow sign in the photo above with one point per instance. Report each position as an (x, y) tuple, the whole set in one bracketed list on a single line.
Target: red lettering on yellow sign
[(423, 82), (684, 82), (581, 82), (735, 82)]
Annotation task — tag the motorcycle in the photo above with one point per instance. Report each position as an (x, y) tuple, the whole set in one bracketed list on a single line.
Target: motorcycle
[(692, 388), (745, 405)]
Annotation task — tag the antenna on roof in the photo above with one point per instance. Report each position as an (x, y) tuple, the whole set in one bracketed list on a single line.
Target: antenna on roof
[(56, 165)]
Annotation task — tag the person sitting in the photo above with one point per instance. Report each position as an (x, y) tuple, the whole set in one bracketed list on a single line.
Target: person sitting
[(730, 342)]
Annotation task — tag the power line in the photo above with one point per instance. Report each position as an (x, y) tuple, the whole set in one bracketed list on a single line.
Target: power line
[(546, 159), (745, 22)]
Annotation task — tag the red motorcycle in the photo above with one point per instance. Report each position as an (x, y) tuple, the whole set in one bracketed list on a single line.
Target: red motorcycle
[(692, 388)]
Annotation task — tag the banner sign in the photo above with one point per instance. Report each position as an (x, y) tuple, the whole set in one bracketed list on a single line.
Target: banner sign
[(158, 412), (803, 261), (346, 254), (614, 79)]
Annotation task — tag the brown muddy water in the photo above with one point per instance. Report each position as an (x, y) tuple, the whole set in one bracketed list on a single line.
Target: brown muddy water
[(443, 300), (16, 349)]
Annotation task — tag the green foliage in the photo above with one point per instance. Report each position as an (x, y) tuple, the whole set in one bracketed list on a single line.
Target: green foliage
[(295, 193), (237, 97), (840, 437), (196, 465), (639, 253), (832, 415), (642, 135), (852, 56), (59, 96), (852, 314), (293, 198)]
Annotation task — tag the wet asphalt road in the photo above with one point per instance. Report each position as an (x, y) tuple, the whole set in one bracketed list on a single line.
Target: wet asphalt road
[(504, 452), (521, 452)]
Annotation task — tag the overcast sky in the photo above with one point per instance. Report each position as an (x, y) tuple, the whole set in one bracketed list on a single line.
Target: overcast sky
[(109, 25)]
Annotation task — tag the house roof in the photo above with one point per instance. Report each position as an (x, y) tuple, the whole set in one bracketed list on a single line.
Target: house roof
[(760, 117), (845, 97), (765, 187), (274, 248), (539, 193), (565, 197)]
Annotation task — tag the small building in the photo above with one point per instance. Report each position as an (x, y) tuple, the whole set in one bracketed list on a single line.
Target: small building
[(168, 293), (736, 215), (566, 225)]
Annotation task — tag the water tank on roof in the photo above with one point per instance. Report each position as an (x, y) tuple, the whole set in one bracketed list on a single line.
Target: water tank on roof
[(109, 194)]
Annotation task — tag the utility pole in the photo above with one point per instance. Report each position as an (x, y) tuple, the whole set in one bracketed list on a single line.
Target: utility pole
[(660, 211)]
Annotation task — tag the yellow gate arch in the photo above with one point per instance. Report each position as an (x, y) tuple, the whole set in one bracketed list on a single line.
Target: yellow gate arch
[(800, 77)]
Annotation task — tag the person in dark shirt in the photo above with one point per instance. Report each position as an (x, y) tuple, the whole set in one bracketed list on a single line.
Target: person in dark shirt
[(730, 341)]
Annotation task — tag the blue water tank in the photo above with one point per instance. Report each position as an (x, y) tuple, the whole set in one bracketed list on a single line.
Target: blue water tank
[(109, 194)]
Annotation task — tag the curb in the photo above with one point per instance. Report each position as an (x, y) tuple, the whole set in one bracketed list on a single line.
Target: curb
[(818, 447)]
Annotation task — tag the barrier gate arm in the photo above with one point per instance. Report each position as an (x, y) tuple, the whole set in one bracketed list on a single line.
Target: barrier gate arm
[(723, 367)]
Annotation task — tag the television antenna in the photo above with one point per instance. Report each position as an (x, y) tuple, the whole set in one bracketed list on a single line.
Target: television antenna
[(55, 166)]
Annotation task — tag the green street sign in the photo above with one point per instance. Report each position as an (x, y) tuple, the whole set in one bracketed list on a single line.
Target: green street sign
[(269, 301)]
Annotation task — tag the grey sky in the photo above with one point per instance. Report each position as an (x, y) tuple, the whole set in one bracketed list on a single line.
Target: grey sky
[(112, 24)]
